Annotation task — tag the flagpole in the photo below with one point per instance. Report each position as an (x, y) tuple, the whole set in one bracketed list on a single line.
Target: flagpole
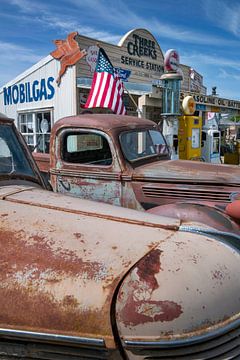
[(134, 102)]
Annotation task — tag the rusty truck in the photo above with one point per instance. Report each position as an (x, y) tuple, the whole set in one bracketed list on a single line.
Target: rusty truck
[(124, 160), (87, 280)]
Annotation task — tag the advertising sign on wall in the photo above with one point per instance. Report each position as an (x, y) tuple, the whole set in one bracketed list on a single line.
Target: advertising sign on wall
[(92, 55), (37, 90)]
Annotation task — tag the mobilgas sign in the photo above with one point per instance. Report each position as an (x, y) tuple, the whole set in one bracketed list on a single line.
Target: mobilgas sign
[(28, 92)]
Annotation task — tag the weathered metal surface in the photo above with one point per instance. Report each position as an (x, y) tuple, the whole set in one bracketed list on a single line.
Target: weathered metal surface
[(189, 171), (151, 194), (43, 161), (50, 200), (208, 216), (56, 251), (176, 192), (97, 186), (186, 288), (104, 122)]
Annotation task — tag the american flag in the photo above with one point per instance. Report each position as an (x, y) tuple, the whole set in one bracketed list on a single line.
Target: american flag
[(107, 87)]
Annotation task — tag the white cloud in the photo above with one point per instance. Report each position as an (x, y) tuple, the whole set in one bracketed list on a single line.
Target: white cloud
[(28, 6), (13, 52), (197, 59), (118, 13), (229, 75), (224, 13)]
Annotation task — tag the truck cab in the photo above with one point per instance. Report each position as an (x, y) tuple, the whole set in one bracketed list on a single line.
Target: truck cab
[(124, 160)]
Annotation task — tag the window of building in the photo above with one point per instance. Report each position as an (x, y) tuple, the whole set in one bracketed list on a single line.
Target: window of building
[(86, 148), (36, 127)]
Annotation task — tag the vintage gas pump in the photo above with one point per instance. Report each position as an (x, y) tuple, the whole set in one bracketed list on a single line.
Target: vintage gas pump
[(189, 131), (170, 107), (211, 139)]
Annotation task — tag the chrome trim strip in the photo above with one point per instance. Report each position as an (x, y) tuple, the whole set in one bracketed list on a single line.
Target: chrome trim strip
[(226, 237), (235, 325), (190, 181), (85, 174), (38, 336), (126, 177)]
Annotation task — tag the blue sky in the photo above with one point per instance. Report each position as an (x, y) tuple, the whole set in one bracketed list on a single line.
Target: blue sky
[(206, 33)]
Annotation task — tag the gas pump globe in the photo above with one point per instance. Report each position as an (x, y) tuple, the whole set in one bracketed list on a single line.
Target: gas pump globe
[(171, 80)]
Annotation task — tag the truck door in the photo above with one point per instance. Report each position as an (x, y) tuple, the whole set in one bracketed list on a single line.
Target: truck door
[(87, 166)]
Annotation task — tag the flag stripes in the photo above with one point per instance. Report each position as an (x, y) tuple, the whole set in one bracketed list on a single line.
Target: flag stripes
[(107, 88)]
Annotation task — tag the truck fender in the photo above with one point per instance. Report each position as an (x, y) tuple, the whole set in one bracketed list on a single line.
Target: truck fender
[(206, 215)]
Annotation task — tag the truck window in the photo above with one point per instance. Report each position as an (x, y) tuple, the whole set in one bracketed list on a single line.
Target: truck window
[(86, 148), (12, 158), (137, 144)]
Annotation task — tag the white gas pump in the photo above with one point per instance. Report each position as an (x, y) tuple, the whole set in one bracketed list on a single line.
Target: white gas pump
[(170, 132), (211, 139)]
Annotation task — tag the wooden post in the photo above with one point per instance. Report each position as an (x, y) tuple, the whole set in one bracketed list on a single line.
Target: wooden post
[(134, 102)]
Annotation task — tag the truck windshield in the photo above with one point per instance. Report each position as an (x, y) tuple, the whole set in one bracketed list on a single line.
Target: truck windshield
[(12, 157), (138, 144)]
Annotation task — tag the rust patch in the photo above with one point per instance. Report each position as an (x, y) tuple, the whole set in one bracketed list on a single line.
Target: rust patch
[(17, 254), (220, 274), (148, 267), (139, 308), (217, 275), (140, 312), (39, 311), (4, 215), (77, 235)]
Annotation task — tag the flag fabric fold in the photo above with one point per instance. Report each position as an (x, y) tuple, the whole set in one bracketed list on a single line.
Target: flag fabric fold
[(107, 88)]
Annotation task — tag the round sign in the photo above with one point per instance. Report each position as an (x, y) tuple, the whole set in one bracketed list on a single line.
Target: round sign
[(188, 105), (92, 55), (171, 60), (44, 126)]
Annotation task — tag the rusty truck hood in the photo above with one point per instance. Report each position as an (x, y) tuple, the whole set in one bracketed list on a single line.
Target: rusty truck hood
[(58, 250), (63, 260), (188, 171)]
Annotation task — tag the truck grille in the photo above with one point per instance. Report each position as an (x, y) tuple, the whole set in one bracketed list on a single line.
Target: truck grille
[(32, 350), (223, 347), (187, 193)]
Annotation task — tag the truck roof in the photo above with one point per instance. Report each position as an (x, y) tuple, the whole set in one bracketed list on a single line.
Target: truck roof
[(4, 118), (102, 121)]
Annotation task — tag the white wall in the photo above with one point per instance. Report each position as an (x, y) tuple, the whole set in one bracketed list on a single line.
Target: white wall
[(63, 100)]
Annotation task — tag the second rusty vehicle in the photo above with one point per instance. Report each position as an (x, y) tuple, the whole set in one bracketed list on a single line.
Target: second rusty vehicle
[(124, 160)]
